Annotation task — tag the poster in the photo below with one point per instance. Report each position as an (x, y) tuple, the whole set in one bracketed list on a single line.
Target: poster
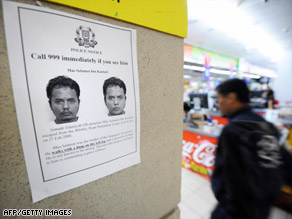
[(76, 91), (198, 153)]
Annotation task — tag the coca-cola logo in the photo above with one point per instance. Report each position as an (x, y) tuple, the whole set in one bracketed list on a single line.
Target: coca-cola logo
[(203, 153)]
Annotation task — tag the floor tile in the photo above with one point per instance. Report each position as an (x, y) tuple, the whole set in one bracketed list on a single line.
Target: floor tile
[(186, 172), (191, 184), (185, 192), (198, 201), (189, 173), (199, 205), (187, 213), (206, 193), (194, 182)]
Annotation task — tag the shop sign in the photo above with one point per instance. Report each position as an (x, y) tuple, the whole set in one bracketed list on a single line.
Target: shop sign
[(198, 55)]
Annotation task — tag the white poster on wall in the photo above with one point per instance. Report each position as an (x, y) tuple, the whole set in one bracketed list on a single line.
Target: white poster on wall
[(76, 91)]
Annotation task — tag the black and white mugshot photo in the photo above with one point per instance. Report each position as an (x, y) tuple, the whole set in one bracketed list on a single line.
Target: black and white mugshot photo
[(114, 91), (63, 94)]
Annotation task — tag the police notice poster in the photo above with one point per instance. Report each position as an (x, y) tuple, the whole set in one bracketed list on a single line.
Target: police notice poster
[(75, 85)]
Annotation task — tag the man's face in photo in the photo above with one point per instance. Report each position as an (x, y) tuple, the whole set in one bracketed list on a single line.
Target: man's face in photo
[(115, 100), (64, 104)]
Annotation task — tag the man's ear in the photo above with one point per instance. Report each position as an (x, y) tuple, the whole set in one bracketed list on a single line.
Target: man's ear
[(232, 97)]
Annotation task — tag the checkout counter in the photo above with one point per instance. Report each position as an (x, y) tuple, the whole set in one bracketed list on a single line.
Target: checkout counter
[(200, 137), (202, 128)]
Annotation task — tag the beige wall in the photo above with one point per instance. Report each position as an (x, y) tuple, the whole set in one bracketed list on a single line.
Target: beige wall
[(148, 190)]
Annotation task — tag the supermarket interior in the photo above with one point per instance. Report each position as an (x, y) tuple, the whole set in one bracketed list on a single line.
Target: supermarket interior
[(240, 39), (112, 109)]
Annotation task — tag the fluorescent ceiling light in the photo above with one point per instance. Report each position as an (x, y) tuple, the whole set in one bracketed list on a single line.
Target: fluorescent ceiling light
[(196, 68), (225, 16), (212, 70), (264, 72), (251, 76), (274, 60), (248, 47), (192, 61), (221, 72)]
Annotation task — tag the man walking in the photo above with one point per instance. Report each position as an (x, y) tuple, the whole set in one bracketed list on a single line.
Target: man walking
[(247, 176)]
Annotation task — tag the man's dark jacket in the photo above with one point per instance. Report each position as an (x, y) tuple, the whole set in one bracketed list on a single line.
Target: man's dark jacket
[(246, 178)]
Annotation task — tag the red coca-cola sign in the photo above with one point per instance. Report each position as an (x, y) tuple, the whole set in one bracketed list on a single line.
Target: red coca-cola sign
[(198, 153)]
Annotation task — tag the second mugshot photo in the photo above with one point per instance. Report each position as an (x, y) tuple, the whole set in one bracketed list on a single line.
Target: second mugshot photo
[(114, 91)]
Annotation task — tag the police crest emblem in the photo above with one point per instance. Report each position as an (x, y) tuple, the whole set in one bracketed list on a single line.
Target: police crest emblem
[(85, 37)]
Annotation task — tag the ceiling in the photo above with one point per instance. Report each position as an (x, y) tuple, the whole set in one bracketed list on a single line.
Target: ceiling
[(259, 31)]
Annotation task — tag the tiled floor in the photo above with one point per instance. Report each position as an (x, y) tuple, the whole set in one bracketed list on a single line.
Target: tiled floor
[(198, 201)]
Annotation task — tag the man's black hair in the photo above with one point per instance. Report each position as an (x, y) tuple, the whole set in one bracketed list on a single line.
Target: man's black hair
[(62, 81), (236, 86), (113, 81)]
